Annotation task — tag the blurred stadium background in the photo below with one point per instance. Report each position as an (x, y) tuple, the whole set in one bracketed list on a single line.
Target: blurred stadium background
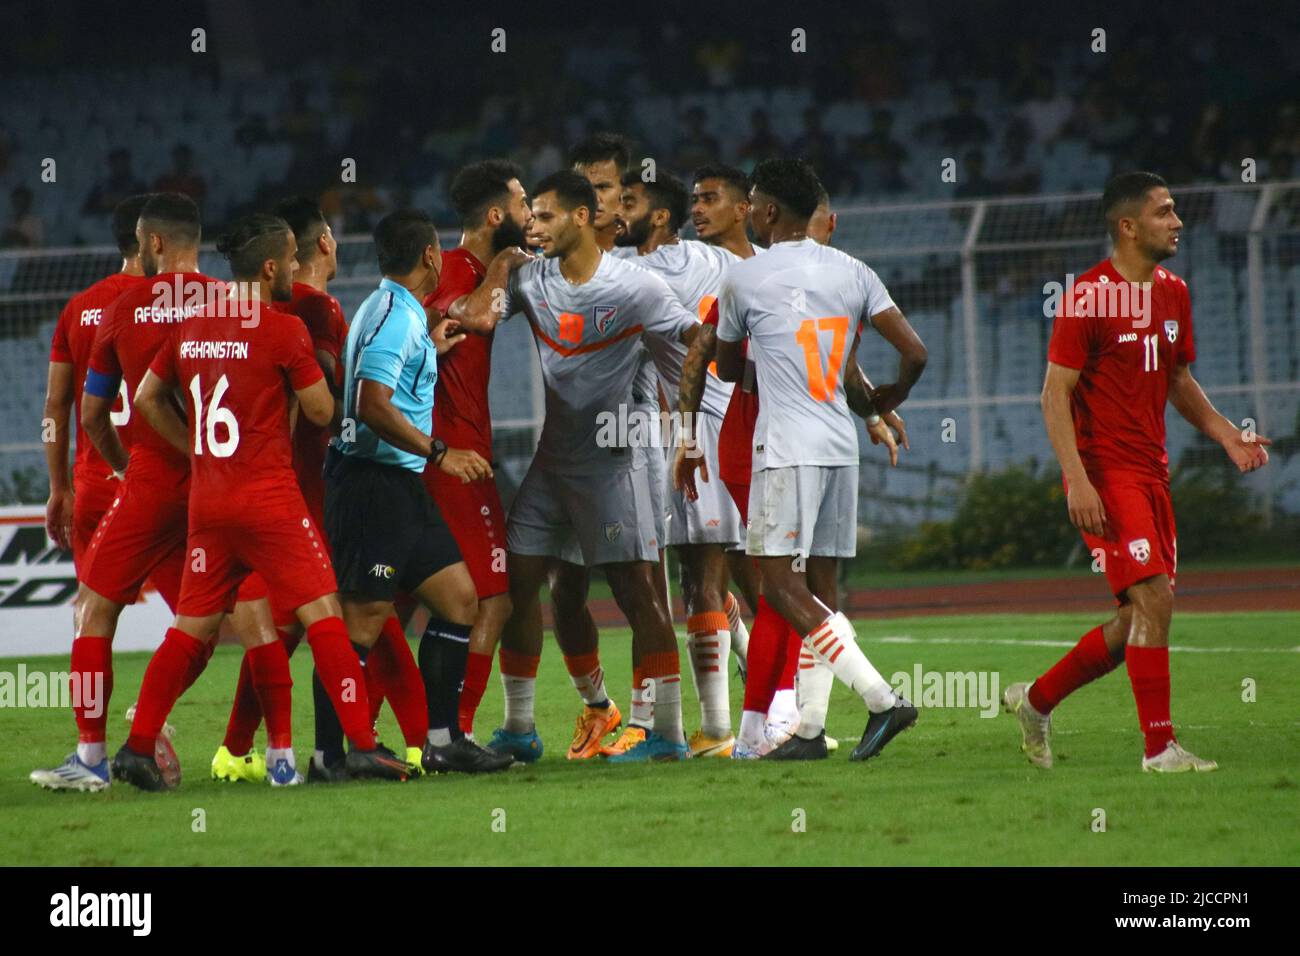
[(1035, 120)]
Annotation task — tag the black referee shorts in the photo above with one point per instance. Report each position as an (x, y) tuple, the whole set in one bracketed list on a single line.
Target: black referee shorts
[(385, 532)]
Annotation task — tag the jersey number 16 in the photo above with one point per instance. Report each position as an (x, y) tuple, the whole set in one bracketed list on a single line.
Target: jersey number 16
[(216, 415)]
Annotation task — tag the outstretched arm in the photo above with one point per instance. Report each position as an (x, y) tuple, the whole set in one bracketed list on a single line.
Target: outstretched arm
[(482, 309), (1186, 395)]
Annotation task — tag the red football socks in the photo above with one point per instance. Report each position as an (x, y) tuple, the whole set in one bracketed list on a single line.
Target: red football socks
[(1086, 661), (340, 674), (246, 711), (478, 668), (1148, 672), (393, 667), (767, 657), (91, 657), (790, 660), (164, 681), (269, 666)]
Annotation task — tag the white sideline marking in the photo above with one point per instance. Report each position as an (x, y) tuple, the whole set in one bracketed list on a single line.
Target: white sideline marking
[(1007, 642)]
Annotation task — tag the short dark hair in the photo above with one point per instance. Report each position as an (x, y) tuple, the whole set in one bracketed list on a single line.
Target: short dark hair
[(572, 189), (125, 215), (401, 238), (174, 216), (824, 198), (600, 147), (252, 240), (665, 191), (479, 186), (735, 178), (1124, 189), (307, 222), (791, 182)]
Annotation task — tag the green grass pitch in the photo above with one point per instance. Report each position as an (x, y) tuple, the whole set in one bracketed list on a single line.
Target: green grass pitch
[(953, 790)]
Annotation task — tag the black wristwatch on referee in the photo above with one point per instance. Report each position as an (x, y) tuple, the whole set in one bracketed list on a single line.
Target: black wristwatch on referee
[(439, 449)]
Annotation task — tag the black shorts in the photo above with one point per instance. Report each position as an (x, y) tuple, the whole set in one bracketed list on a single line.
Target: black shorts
[(384, 530)]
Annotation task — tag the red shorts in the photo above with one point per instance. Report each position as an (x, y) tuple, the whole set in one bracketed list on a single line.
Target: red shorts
[(477, 521), (740, 495), (141, 536), (91, 499), (1141, 541), (284, 548)]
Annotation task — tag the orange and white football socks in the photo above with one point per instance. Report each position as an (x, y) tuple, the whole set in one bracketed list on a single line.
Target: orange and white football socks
[(662, 686), (588, 678), (708, 644), (519, 678), (834, 643)]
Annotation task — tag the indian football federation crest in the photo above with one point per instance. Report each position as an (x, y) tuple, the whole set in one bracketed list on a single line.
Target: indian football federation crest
[(1140, 548), (1171, 330), (604, 315), (612, 531)]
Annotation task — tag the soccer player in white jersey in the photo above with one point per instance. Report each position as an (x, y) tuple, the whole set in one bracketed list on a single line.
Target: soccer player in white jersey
[(802, 306), (588, 312), (650, 216)]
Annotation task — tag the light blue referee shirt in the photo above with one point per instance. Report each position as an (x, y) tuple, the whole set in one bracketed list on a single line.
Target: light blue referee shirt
[(388, 342)]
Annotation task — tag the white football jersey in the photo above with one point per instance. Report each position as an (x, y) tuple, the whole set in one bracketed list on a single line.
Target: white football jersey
[(589, 339), (693, 270), (801, 304)]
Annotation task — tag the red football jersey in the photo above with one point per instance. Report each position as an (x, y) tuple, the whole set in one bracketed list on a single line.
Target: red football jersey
[(133, 328), (323, 316), (238, 377), (1124, 342), (74, 336), (736, 437), (461, 416)]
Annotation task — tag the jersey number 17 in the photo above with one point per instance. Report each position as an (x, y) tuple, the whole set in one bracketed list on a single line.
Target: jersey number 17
[(822, 382)]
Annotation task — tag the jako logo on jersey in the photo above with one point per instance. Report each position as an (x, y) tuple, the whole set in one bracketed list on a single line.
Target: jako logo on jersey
[(1128, 337), (613, 530), (1140, 549), (1171, 330), (384, 571), (603, 314)]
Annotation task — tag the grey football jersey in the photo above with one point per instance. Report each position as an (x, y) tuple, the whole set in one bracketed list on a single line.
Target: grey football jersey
[(693, 270), (589, 340), (800, 304)]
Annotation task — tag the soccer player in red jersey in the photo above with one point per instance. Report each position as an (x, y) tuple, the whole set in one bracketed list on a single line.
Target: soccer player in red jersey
[(142, 535), (389, 667), (494, 214), (237, 362), (1121, 346), (74, 509)]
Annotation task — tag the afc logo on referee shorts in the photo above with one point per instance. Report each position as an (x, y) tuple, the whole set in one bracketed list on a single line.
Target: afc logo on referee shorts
[(1140, 548)]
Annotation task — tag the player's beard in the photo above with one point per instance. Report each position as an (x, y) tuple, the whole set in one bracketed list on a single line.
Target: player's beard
[(148, 263), (508, 234), (634, 233), (282, 291)]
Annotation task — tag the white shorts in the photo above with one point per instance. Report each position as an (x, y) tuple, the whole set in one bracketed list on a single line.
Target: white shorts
[(607, 516), (809, 510), (713, 518)]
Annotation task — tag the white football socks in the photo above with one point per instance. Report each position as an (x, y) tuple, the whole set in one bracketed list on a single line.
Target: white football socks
[(520, 693), (708, 645), (835, 643), (812, 682), (665, 701), (739, 632), (590, 686)]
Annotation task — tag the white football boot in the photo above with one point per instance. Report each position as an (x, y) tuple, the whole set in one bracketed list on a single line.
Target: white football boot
[(1174, 759), (1035, 728)]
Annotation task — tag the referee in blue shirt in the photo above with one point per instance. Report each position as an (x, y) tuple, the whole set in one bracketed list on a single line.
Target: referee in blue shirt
[(384, 530)]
